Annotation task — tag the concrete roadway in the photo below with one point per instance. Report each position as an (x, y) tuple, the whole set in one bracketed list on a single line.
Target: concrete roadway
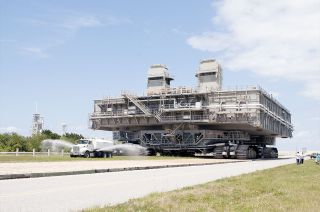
[(72, 193)]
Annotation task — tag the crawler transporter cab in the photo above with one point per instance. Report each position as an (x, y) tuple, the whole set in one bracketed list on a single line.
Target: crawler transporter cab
[(225, 123)]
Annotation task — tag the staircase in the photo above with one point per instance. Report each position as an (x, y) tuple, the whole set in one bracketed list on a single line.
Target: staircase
[(141, 106), (158, 115)]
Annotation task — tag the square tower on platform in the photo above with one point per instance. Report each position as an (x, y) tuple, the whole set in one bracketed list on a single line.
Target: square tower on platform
[(209, 76)]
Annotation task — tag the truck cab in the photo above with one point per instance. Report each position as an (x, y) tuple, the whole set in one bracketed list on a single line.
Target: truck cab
[(91, 148)]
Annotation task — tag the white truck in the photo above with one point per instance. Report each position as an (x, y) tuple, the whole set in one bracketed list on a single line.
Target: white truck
[(91, 148)]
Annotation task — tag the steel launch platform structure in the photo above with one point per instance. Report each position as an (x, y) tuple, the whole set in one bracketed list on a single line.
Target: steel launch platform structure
[(225, 123)]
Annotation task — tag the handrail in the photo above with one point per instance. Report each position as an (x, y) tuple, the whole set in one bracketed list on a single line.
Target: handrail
[(135, 101)]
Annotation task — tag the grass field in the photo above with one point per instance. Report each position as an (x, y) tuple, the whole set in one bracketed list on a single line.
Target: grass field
[(285, 188), (57, 158)]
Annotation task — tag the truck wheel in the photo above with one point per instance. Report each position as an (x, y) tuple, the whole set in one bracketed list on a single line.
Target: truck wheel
[(151, 152), (274, 153), (252, 154), (87, 154)]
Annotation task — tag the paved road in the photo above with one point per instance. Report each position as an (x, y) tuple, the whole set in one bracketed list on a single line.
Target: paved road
[(69, 193), (48, 167)]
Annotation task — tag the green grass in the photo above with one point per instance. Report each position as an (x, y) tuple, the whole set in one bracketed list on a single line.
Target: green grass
[(57, 158), (285, 188)]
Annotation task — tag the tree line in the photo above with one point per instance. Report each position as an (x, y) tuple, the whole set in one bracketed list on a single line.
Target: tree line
[(9, 142)]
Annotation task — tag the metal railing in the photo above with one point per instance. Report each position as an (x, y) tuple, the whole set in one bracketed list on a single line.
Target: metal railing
[(179, 105), (166, 91), (186, 118), (137, 103), (34, 153)]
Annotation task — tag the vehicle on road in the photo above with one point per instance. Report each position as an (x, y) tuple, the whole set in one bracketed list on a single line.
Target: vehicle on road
[(91, 148), (317, 159), (314, 155)]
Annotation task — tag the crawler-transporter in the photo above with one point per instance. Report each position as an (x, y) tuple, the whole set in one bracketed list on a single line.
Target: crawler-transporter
[(224, 123)]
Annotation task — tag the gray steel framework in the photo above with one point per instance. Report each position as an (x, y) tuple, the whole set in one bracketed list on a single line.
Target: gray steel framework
[(196, 120)]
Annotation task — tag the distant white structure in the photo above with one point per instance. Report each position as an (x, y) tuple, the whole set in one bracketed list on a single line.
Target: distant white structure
[(37, 124), (64, 128)]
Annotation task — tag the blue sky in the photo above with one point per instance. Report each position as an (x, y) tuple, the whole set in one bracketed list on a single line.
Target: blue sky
[(64, 54)]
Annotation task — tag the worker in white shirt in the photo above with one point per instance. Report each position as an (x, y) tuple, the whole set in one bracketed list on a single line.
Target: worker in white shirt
[(301, 158), (298, 158)]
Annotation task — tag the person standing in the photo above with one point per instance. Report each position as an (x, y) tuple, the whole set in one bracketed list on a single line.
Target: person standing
[(301, 158), (298, 158), (318, 159)]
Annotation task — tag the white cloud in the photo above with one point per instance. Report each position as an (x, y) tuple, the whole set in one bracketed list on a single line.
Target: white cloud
[(313, 88), (76, 23), (179, 31), (9, 129), (113, 20), (65, 27), (34, 51), (277, 39), (34, 22)]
